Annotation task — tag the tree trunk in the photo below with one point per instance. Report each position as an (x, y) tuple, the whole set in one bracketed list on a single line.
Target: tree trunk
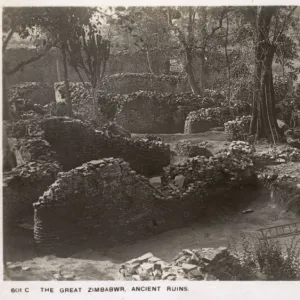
[(264, 123), (202, 73), (66, 79), (6, 112), (227, 60), (57, 66), (95, 105), (189, 71)]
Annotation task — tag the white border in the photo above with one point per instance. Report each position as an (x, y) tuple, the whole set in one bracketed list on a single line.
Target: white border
[(197, 290)]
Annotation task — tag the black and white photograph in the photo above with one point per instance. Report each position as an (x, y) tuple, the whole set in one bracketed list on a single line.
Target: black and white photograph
[(150, 143)]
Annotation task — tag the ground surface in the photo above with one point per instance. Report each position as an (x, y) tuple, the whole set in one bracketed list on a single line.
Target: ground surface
[(104, 265)]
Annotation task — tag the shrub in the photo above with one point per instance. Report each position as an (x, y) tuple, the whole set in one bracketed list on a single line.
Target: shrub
[(268, 258)]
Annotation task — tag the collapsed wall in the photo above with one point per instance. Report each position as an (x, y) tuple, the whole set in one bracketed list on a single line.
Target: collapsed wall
[(23, 185), (75, 143), (102, 201)]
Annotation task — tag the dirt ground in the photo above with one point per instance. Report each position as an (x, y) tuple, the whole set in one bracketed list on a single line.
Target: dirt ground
[(103, 265)]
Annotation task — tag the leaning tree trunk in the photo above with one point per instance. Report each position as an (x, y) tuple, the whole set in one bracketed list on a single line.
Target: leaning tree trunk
[(66, 79), (189, 71)]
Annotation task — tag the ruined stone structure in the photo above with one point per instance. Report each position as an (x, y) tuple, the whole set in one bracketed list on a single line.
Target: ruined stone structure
[(138, 112), (22, 187), (102, 200), (76, 143), (125, 83), (36, 92)]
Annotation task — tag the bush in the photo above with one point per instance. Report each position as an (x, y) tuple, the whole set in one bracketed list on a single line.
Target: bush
[(268, 258)]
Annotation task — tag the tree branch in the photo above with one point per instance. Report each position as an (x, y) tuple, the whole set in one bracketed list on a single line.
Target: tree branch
[(7, 39), (28, 61), (214, 29), (285, 22)]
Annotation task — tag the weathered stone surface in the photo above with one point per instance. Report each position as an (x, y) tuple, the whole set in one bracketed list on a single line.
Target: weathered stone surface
[(186, 148), (103, 201), (23, 185), (205, 118), (76, 142), (32, 149)]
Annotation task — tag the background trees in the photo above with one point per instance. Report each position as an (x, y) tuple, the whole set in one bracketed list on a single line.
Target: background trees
[(241, 46)]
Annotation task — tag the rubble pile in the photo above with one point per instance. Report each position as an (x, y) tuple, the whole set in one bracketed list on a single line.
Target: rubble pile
[(76, 142), (238, 129), (205, 118), (229, 167), (199, 264), (23, 185), (100, 200), (32, 149), (275, 155), (186, 148)]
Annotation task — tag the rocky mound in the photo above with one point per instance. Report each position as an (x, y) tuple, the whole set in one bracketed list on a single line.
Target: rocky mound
[(199, 264)]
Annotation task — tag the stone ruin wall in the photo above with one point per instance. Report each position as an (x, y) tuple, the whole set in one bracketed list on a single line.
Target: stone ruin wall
[(36, 92), (139, 112), (104, 203), (131, 82), (103, 200), (76, 143), (22, 187)]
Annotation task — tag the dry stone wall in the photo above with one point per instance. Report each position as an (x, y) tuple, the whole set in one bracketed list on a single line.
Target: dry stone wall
[(138, 112), (102, 201), (23, 185), (32, 149), (36, 92), (76, 142), (205, 118), (125, 83)]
